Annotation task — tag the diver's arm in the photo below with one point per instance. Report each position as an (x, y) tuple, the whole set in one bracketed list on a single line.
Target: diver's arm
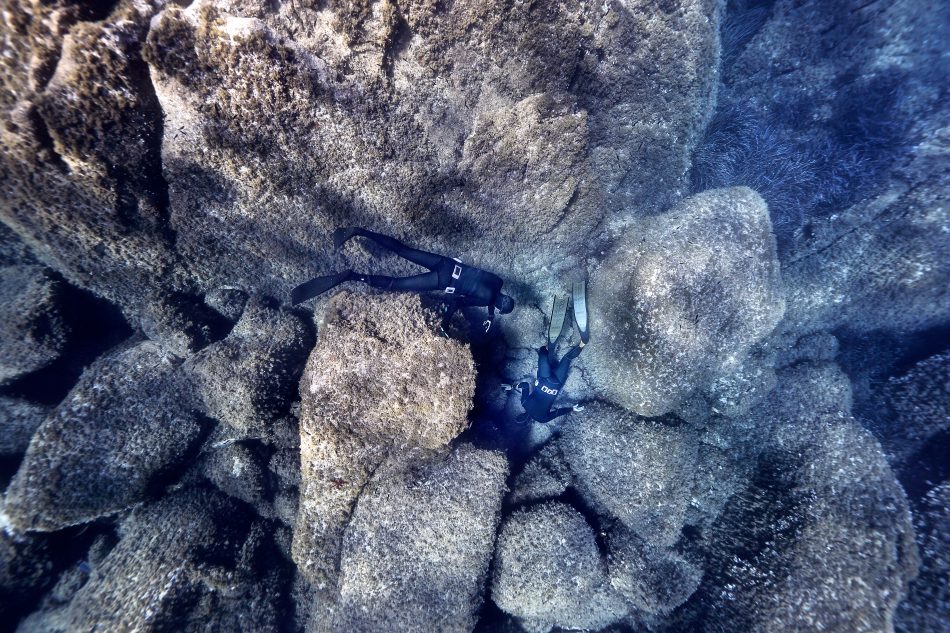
[(491, 317)]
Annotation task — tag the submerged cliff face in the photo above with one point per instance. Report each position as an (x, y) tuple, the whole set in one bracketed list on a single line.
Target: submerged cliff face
[(756, 188)]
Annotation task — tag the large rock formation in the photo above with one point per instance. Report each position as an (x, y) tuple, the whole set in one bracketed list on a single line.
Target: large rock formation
[(548, 571), (416, 553), (637, 470), (190, 562), (247, 380), (218, 143), (380, 382), (681, 299), (920, 400), (822, 537), (117, 433)]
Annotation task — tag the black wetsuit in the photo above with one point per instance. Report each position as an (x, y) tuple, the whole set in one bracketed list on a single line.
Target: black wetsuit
[(463, 285), (551, 378)]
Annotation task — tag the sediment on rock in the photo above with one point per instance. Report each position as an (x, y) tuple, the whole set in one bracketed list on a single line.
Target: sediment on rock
[(381, 383), (416, 553), (682, 298), (106, 446)]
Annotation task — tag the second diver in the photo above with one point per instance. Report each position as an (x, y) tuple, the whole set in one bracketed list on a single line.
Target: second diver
[(463, 285)]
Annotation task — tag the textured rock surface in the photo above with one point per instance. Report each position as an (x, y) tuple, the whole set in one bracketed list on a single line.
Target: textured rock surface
[(651, 579), (548, 571), (181, 564), (474, 109), (380, 381), (33, 332), (682, 298), (822, 538), (247, 379), (927, 607), (416, 553), (634, 469), (921, 401), (545, 476), (184, 160), (81, 133), (107, 444), (19, 419)]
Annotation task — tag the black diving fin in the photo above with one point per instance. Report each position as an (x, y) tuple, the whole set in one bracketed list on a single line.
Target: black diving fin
[(317, 286), (580, 309), (556, 322)]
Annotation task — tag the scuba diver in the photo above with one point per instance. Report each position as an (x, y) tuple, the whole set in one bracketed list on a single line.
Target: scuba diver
[(464, 285), (552, 374)]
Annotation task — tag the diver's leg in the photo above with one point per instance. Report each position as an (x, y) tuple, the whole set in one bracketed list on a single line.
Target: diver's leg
[(422, 258), (416, 283), (544, 363), (564, 367)]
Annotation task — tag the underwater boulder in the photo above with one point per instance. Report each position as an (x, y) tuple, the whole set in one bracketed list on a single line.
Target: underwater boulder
[(33, 330), (120, 429), (441, 127), (822, 537), (187, 562), (82, 133), (544, 476), (653, 580), (548, 571), (416, 553), (681, 298), (637, 470), (920, 399), (380, 382), (247, 379)]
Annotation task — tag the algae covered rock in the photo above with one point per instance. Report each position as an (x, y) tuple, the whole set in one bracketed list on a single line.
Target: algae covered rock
[(652, 579), (33, 330), (637, 470), (822, 537), (247, 379), (184, 563), (380, 382), (103, 448), (416, 553), (682, 297), (544, 476), (548, 571), (921, 401), (482, 118)]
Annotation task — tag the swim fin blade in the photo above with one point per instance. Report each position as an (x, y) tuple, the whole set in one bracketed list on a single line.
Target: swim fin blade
[(556, 323), (317, 286), (580, 309)]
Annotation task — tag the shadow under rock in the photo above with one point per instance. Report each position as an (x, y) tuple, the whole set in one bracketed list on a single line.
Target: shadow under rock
[(95, 327)]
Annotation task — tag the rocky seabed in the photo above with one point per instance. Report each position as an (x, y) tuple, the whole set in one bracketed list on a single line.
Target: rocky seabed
[(755, 189)]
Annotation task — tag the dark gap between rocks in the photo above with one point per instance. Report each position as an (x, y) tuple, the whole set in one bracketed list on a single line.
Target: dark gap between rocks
[(95, 326)]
